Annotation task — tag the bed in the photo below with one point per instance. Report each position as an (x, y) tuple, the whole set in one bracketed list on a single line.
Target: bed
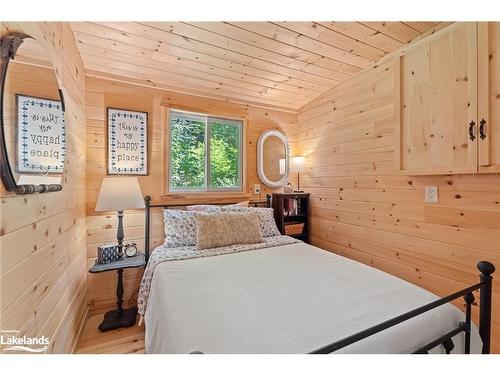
[(285, 296)]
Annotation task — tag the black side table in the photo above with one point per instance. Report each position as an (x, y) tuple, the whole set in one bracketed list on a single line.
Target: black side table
[(120, 317)]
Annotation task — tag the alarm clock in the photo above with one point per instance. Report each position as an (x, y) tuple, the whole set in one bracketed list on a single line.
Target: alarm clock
[(130, 249)]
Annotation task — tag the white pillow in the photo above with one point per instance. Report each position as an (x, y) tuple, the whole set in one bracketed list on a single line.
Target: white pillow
[(266, 217)]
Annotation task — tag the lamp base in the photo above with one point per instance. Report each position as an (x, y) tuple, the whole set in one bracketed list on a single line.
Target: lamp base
[(119, 234), (298, 191), (115, 319)]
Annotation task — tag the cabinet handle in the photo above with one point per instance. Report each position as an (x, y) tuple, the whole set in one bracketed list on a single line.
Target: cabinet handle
[(471, 131), (482, 134)]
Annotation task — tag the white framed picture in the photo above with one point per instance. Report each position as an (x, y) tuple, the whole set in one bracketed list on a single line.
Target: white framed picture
[(127, 142), (41, 135)]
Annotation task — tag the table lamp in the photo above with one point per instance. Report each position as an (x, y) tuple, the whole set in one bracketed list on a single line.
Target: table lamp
[(119, 194), (297, 165)]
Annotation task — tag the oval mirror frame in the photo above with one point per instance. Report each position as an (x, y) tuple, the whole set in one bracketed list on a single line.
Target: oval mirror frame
[(260, 159), (9, 45)]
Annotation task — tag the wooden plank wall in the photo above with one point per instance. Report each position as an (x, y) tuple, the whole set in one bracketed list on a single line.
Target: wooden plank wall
[(42, 252), (363, 210), (101, 228)]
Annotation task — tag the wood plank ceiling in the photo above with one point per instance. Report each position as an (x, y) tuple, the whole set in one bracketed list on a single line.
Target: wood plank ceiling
[(281, 65)]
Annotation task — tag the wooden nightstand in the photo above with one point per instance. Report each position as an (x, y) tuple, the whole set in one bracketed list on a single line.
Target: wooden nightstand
[(120, 317), (289, 209)]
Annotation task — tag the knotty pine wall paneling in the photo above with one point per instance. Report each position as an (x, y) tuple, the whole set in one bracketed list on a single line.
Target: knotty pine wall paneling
[(363, 209), (43, 267), (101, 227)]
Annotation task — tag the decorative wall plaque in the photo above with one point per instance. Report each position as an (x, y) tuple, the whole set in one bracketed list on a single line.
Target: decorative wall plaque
[(127, 142), (41, 135)]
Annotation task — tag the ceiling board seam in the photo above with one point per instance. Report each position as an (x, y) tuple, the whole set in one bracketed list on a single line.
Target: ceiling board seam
[(322, 42), (299, 48), (388, 36), (257, 88), (374, 32), (242, 54), (301, 70), (348, 36), (197, 94), (210, 65), (176, 86), (328, 44), (292, 89), (411, 27), (399, 40)]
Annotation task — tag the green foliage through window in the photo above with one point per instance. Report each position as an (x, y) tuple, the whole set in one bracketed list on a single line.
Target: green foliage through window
[(191, 156), (187, 153)]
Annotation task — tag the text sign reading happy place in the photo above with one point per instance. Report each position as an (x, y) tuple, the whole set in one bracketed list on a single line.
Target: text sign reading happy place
[(127, 142), (41, 135)]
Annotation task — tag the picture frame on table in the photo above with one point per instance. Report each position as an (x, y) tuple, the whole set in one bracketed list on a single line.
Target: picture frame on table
[(107, 253)]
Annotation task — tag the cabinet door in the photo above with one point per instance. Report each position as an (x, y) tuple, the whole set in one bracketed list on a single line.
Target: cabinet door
[(436, 103), (489, 96)]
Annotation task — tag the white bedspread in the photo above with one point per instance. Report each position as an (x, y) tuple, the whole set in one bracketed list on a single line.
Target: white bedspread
[(287, 299)]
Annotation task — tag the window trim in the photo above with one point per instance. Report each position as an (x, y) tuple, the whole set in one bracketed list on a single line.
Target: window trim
[(240, 122)]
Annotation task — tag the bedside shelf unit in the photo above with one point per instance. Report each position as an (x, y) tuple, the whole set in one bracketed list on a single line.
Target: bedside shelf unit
[(289, 209), (120, 317)]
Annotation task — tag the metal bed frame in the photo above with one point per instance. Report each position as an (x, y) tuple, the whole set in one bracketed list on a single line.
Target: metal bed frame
[(484, 287)]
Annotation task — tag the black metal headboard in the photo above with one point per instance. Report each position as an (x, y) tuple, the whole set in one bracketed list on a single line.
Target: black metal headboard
[(147, 201)]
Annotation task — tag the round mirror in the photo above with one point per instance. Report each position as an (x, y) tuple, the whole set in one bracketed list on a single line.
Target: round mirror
[(32, 118), (273, 158)]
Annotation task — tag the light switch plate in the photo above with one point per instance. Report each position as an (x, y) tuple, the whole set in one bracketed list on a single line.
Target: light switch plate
[(431, 194), (256, 188)]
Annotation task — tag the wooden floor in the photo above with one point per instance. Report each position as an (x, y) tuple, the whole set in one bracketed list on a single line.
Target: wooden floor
[(120, 341)]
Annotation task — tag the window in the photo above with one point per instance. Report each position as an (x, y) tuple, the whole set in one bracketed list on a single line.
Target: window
[(205, 153)]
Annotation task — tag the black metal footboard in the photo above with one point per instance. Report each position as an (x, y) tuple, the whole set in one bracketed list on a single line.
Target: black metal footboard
[(485, 295)]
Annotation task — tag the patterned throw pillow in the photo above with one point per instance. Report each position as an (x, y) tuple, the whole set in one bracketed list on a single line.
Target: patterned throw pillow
[(266, 216), (203, 208), (213, 207), (227, 228), (180, 228)]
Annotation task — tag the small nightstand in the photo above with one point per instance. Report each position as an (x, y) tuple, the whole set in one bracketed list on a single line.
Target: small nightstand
[(292, 209), (120, 317)]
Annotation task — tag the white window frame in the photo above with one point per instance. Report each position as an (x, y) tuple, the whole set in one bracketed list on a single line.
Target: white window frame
[(208, 120)]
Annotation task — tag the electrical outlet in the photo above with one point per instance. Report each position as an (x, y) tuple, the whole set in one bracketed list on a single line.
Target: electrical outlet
[(256, 188), (431, 194)]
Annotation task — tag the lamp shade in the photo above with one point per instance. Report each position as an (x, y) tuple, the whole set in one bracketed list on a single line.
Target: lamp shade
[(297, 164), (119, 194)]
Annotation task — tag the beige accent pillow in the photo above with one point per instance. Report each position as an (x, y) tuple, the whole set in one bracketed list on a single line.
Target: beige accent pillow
[(227, 228)]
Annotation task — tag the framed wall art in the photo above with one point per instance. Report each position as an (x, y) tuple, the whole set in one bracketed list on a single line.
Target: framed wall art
[(127, 142), (41, 135)]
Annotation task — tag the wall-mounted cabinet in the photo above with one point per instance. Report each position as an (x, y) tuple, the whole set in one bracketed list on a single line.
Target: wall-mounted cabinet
[(446, 102), (489, 96)]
